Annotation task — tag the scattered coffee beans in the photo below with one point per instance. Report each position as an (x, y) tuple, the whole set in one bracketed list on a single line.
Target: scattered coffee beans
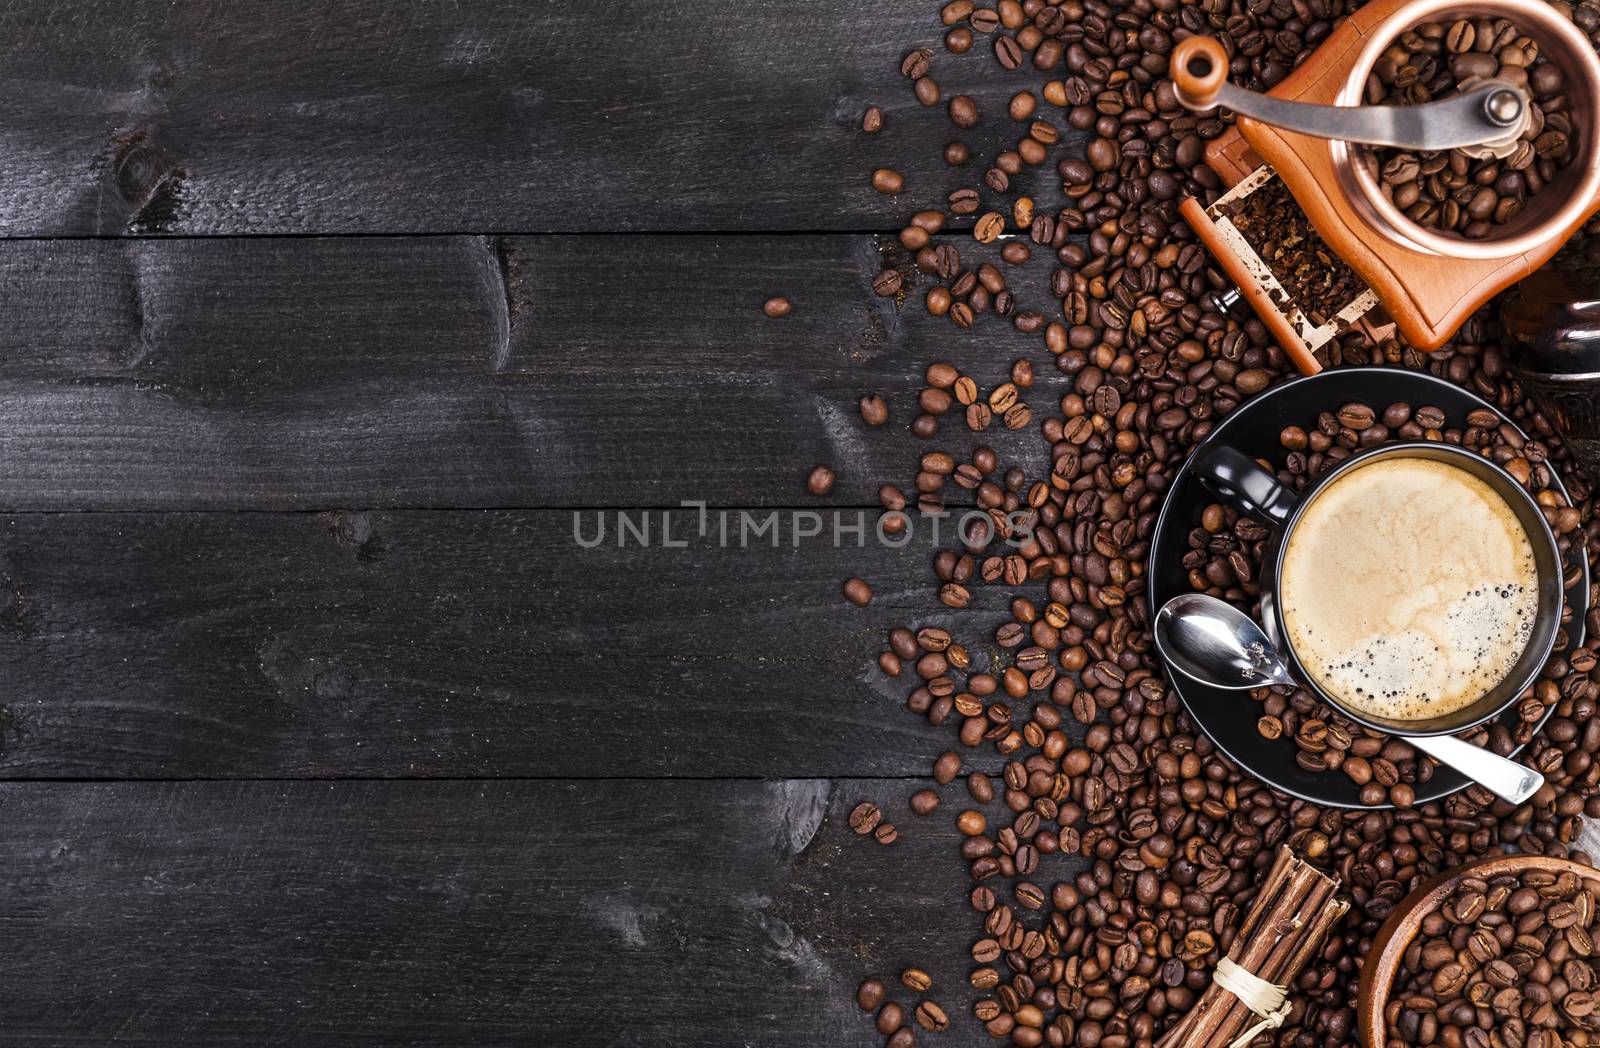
[(1112, 849)]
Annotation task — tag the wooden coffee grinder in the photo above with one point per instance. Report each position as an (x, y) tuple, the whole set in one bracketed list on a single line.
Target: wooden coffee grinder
[(1308, 131)]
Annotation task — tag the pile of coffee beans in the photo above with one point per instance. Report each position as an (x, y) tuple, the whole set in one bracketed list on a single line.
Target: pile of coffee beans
[(1111, 848), (1316, 279), (1226, 551), (1452, 191), (1506, 960)]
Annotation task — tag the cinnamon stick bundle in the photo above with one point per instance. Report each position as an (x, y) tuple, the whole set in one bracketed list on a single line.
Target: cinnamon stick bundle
[(1291, 915)]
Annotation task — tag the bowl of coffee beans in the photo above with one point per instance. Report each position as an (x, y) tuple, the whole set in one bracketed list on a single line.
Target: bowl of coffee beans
[(1500, 952), (1471, 203)]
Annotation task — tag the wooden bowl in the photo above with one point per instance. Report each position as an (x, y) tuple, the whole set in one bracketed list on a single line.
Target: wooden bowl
[(1389, 945)]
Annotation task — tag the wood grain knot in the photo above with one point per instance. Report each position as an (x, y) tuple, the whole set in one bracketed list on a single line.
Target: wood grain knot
[(310, 679), (355, 531), (146, 182)]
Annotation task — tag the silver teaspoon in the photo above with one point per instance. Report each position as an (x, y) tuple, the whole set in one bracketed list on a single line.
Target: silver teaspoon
[(1215, 643)]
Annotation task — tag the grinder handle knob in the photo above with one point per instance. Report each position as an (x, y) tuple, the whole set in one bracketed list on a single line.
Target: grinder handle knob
[(1199, 69)]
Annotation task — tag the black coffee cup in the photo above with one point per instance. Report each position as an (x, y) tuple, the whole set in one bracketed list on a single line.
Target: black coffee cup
[(1243, 483)]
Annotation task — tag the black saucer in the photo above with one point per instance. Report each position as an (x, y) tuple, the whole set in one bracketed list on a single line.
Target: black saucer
[(1229, 717)]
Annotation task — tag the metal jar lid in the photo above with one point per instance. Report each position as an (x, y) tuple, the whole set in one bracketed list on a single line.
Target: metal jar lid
[(1552, 319)]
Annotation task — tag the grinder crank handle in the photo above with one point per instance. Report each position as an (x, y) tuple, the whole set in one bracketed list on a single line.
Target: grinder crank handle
[(1488, 119)]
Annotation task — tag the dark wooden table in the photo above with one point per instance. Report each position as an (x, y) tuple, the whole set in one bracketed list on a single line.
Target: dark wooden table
[(321, 321)]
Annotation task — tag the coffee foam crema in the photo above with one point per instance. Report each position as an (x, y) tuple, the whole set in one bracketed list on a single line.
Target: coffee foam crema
[(1409, 588)]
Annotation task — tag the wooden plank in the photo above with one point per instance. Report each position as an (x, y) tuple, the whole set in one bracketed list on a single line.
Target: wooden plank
[(465, 643), (682, 914), (465, 372), (492, 116)]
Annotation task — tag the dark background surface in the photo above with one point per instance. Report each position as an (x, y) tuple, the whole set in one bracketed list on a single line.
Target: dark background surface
[(320, 322)]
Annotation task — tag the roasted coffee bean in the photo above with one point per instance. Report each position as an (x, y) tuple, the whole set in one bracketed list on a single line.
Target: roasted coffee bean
[(777, 307), (925, 802), (820, 480), (915, 64), (870, 994), (955, 11), (890, 1018), (887, 181), (1356, 416), (916, 980), (885, 833), (857, 592), (989, 227), (872, 120), (964, 201), (931, 1017), (1008, 52), (864, 818), (963, 111), (874, 411)]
